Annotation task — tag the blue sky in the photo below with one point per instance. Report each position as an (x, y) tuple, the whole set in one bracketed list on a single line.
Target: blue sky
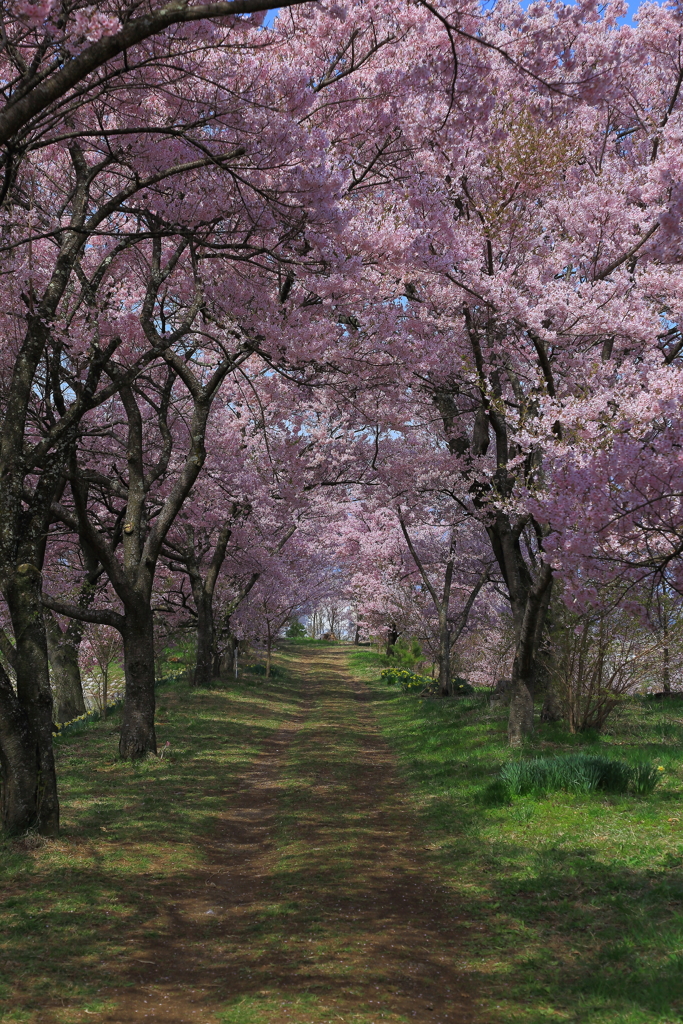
[(632, 7)]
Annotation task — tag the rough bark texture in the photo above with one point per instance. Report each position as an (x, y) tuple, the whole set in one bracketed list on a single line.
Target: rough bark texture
[(392, 637), (67, 687), (529, 601), (17, 760), (206, 642), (445, 685), (521, 721), (30, 801), (138, 736)]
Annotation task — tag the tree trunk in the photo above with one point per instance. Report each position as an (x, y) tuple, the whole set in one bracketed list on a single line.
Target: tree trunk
[(552, 710), (529, 601), (226, 661), (445, 685), (392, 637), (666, 671), (138, 737), (216, 665), (206, 643), (521, 721), (105, 689), (29, 798), (268, 648), (17, 761), (66, 674)]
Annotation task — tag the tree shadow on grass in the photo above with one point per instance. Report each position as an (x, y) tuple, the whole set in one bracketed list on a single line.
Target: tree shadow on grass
[(617, 931), (74, 911), (580, 921)]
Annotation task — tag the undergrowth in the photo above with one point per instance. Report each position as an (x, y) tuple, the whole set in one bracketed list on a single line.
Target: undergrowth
[(575, 773)]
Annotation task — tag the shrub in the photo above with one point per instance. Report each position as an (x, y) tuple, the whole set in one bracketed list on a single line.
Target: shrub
[(645, 777), (599, 658), (461, 688), (410, 682), (578, 773), (405, 653)]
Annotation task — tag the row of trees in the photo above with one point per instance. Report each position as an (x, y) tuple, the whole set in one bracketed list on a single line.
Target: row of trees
[(282, 306)]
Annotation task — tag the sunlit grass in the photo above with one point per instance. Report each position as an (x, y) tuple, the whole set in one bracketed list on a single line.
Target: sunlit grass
[(571, 905), (580, 896)]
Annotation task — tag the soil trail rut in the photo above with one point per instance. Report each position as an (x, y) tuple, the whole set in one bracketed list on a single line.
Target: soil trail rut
[(317, 903)]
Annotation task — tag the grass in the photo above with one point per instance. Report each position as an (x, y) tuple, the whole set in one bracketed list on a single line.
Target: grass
[(574, 772), (379, 888), (144, 846), (579, 894), (314, 876), (76, 911)]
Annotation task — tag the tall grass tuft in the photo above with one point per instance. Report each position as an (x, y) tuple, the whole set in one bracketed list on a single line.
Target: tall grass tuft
[(577, 773), (645, 777)]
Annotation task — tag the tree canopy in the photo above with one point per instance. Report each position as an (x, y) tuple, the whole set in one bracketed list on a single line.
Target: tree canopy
[(377, 306)]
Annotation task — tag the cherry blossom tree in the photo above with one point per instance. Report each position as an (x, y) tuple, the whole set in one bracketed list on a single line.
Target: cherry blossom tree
[(419, 576), (56, 57), (515, 242), (292, 582), (100, 651), (487, 278), (102, 280)]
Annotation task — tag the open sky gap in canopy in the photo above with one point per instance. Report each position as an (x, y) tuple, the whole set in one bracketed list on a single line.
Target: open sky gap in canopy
[(632, 8)]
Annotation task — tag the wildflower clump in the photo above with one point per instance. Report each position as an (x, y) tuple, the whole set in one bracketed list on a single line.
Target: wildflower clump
[(410, 682)]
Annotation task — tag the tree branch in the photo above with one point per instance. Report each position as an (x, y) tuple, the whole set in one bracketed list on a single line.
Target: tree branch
[(19, 112), (101, 616)]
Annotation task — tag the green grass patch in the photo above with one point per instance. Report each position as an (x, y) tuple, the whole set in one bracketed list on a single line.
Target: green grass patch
[(575, 773), (577, 889), (306, 641), (308, 1008), (77, 913)]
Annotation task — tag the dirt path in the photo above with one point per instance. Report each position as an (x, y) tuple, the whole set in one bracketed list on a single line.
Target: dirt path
[(317, 903)]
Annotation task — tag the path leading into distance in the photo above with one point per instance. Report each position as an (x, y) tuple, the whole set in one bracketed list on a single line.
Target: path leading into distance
[(317, 903)]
